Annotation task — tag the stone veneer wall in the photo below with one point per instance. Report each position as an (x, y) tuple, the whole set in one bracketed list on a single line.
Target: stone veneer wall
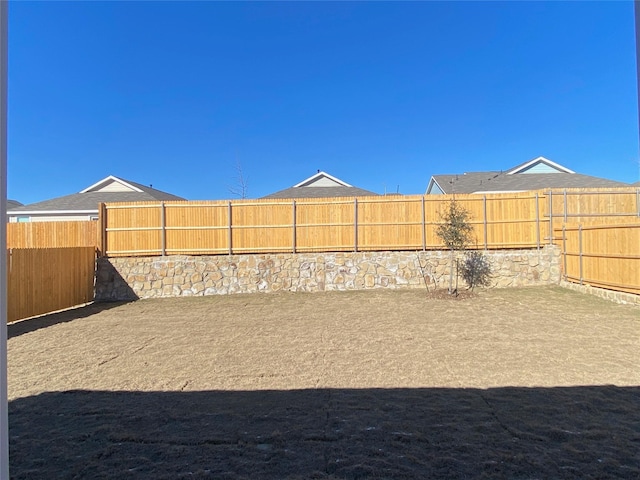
[(614, 296), (180, 275)]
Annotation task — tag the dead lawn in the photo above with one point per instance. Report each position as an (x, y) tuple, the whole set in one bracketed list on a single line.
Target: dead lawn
[(521, 383)]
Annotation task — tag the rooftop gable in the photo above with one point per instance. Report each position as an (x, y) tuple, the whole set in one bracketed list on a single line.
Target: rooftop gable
[(536, 174), (112, 184), (321, 185), (539, 165), (322, 179)]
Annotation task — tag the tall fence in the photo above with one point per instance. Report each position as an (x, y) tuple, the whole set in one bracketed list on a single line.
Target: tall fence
[(605, 256), (516, 220), (43, 280), (593, 206), (52, 234), (314, 225)]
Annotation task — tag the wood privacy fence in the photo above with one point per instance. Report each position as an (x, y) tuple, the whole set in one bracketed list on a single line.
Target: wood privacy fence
[(43, 280), (516, 220), (52, 234), (605, 256)]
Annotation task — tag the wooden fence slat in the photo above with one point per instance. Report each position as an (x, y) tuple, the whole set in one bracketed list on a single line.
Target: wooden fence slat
[(43, 280), (507, 220), (53, 234), (606, 256)]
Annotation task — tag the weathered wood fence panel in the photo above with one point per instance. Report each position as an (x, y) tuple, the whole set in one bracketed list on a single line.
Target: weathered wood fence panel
[(52, 234), (606, 256), (43, 280)]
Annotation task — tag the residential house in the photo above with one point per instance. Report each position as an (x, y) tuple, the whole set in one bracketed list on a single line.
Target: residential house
[(537, 174), (84, 204), (321, 185)]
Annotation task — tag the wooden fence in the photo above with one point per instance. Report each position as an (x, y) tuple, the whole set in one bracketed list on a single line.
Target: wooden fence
[(606, 256), (516, 220), (43, 280), (52, 234), (314, 225)]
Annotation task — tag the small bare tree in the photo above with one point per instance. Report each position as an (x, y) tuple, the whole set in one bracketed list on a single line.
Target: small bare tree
[(240, 188), (456, 232)]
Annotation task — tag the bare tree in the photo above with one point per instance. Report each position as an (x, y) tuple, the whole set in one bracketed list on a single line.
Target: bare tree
[(240, 188), (456, 232)]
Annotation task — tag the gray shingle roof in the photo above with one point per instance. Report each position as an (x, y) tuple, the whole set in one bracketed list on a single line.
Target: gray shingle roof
[(90, 200), (321, 192), (499, 181), (321, 185)]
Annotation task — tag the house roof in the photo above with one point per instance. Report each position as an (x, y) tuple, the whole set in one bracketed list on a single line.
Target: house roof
[(519, 179), (109, 189), (13, 204), (321, 185)]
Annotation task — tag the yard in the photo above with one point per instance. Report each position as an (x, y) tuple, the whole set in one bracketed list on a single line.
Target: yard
[(514, 383)]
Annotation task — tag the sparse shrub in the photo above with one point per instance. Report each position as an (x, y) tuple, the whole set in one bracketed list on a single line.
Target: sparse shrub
[(475, 269)]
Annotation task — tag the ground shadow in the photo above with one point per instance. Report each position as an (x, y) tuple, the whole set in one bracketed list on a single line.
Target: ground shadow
[(576, 432), (32, 324)]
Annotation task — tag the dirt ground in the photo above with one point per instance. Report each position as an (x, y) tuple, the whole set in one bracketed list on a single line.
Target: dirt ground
[(529, 383)]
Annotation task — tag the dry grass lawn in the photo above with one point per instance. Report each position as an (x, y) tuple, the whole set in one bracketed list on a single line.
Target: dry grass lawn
[(521, 383)]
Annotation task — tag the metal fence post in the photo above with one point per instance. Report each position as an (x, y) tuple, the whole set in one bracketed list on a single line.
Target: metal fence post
[(564, 250), (484, 212), (580, 249), (550, 217), (163, 230), (294, 226), (229, 235), (424, 228), (537, 222), (355, 224)]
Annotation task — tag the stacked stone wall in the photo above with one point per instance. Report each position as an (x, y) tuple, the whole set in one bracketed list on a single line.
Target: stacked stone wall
[(612, 295), (180, 275)]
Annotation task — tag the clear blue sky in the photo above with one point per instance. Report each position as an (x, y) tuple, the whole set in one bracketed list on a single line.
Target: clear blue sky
[(381, 95)]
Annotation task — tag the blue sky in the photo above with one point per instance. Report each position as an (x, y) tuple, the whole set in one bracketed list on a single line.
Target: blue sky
[(381, 95)]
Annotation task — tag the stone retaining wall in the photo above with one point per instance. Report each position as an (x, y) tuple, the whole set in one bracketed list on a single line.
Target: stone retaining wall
[(180, 275), (614, 296)]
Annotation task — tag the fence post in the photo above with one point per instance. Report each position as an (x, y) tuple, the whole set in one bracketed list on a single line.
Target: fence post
[(565, 205), (537, 222), (424, 228), (229, 236), (102, 217), (638, 200), (550, 217), (294, 226), (580, 249), (163, 230), (484, 213), (564, 250), (355, 224)]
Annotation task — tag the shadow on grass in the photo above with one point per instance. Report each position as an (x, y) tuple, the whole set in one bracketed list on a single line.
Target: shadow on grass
[(32, 324), (573, 432)]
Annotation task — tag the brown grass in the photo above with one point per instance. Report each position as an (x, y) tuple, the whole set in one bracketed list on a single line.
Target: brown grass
[(523, 383)]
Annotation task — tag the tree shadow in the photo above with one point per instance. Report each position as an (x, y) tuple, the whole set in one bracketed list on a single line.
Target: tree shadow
[(564, 432)]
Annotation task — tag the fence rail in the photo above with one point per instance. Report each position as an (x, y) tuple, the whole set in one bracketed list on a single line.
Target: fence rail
[(43, 280), (605, 256)]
